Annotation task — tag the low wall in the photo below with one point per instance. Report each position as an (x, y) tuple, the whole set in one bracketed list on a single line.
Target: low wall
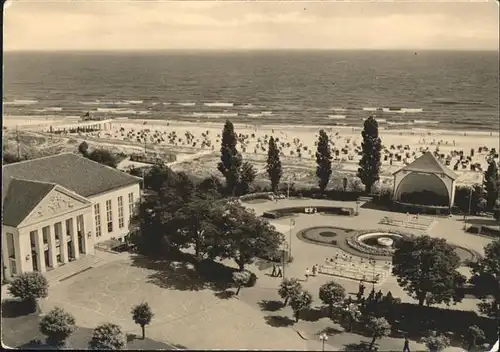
[(278, 213), (419, 208)]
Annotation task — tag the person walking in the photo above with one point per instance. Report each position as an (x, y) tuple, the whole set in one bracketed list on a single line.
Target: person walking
[(274, 271), (307, 274), (314, 270), (406, 347), (280, 273)]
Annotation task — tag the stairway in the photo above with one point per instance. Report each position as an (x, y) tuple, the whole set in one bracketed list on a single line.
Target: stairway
[(85, 262)]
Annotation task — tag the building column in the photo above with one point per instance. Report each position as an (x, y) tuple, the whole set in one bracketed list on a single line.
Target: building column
[(5, 259), (52, 248), (74, 238), (63, 243), (88, 227), (17, 250), (40, 252)]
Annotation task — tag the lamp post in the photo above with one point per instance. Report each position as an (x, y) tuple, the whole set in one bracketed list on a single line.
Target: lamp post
[(283, 260), (323, 337), (292, 223), (372, 262)]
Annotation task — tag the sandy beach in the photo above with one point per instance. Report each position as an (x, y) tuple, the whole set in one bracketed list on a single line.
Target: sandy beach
[(297, 143)]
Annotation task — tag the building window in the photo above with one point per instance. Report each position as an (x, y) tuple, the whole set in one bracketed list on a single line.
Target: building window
[(121, 221), (97, 218), (33, 239), (131, 204), (10, 245), (58, 231), (109, 216), (45, 234)]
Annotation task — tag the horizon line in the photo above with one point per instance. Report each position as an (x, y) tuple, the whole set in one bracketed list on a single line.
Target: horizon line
[(241, 49)]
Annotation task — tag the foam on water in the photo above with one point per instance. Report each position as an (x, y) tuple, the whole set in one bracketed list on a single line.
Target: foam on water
[(214, 114), (186, 104), (425, 122), (20, 102), (217, 104), (336, 117)]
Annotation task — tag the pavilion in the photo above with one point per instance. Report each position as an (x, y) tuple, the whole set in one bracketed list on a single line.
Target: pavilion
[(426, 181)]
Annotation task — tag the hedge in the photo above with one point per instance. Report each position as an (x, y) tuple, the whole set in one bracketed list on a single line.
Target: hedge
[(278, 213)]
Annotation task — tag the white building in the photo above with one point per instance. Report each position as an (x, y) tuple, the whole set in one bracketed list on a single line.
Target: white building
[(54, 210)]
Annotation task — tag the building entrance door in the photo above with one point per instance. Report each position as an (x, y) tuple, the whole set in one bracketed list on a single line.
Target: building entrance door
[(34, 258), (70, 249), (46, 255), (80, 242)]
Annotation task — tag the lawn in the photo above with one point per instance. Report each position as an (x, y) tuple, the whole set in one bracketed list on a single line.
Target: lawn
[(21, 330)]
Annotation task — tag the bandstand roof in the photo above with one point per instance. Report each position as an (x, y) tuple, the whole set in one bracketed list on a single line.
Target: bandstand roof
[(429, 164)]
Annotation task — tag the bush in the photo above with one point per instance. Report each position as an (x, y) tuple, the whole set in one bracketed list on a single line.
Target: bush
[(252, 280), (57, 325), (29, 287), (107, 337)]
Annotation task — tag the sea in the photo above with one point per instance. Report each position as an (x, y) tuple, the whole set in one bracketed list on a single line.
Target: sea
[(446, 90)]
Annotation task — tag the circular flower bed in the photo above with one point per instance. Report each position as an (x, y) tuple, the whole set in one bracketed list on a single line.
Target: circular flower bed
[(328, 234)]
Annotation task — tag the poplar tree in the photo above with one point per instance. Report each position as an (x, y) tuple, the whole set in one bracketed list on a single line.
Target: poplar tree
[(491, 183), (274, 170), (323, 160), (231, 159), (369, 165)]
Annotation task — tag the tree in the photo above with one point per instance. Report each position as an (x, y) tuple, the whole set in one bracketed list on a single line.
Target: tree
[(211, 187), (474, 336), (323, 160), (197, 221), (9, 158), (353, 314), (83, 148), (231, 159), (299, 302), (29, 287), (369, 165), (425, 265), (104, 157), (107, 337), (289, 288), (486, 279), (273, 168), (247, 176), (240, 278), (378, 327), (435, 342), (331, 294), (491, 183), (57, 325), (142, 315), (243, 236)]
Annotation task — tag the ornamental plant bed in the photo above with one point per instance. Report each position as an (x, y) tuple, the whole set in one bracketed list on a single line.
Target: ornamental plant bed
[(278, 213)]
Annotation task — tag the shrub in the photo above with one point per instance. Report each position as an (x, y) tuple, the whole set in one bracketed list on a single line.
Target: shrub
[(289, 288), (241, 278), (436, 342), (107, 337), (252, 280), (29, 287), (57, 325)]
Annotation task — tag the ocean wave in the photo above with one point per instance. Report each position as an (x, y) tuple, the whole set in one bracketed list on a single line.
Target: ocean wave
[(381, 120), (338, 109), (391, 123), (98, 102), (186, 104), (166, 103), (216, 104), (245, 106), (336, 117), (426, 122), (122, 111), (134, 101), (412, 110), (20, 102), (457, 102), (215, 114), (371, 109), (48, 109)]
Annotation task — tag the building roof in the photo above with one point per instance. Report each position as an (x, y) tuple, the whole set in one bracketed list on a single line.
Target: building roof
[(21, 198), (428, 163), (71, 171)]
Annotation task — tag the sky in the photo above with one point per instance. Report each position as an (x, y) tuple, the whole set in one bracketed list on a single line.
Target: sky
[(157, 25)]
